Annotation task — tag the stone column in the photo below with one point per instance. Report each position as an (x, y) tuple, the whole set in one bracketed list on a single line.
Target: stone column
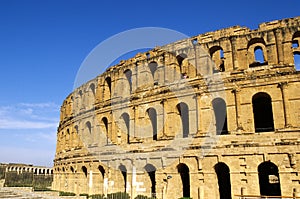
[(279, 46), (286, 106), (233, 51), (112, 129), (198, 115), (237, 102), (134, 122), (164, 117)]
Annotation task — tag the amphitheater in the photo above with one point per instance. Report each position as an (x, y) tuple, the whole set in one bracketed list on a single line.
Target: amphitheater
[(212, 116)]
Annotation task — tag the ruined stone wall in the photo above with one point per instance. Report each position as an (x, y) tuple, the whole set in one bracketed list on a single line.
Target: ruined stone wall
[(215, 115), (24, 175)]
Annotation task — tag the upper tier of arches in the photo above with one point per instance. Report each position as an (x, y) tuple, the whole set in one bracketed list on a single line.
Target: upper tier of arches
[(236, 49)]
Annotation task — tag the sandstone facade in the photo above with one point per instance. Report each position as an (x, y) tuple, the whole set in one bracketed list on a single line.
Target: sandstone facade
[(212, 116)]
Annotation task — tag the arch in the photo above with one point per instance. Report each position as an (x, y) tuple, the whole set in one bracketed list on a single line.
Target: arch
[(153, 67), (295, 44), (183, 111), (72, 169), (217, 55), (296, 50), (263, 113), (256, 40), (88, 128), (124, 174), (256, 52), (107, 88), (153, 118), (80, 103), (296, 35), (125, 117), (223, 175), (180, 59), (105, 124), (184, 172), (93, 89), (219, 106), (297, 60), (84, 170), (102, 171), (259, 54), (128, 74), (68, 140), (269, 182), (151, 172)]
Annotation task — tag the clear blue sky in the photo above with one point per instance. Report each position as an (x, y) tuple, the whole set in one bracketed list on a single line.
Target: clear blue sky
[(44, 42)]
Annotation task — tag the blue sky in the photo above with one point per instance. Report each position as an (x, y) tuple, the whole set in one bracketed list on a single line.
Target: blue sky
[(44, 42)]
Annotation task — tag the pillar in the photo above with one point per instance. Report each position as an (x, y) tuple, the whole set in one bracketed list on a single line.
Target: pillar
[(237, 102), (286, 108)]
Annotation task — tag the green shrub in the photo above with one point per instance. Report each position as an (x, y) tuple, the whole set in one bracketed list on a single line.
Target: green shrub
[(118, 195), (185, 198), (143, 197), (62, 193), (41, 189), (84, 194), (96, 196)]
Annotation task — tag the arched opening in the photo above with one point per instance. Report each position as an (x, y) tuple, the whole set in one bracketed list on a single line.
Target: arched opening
[(297, 60), (107, 88), (105, 125), (88, 127), (223, 175), (88, 133), (217, 55), (153, 67), (220, 111), (80, 103), (183, 71), (183, 111), (93, 90), (84, 170), (124, 174), (269, 182), (68, 140), (128, 75), (263, 114), (126, 119), (102, 171), (259, 54), (256, 52), (153, 118), (180, 58), (151, 172), (184, 172), (295, 44)]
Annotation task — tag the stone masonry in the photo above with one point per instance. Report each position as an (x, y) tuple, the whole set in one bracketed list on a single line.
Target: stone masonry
[(211, 116)]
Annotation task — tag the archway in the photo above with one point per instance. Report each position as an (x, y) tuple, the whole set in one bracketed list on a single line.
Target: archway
[(269, 182), (105, 128), (151, 172), (223, 174), (128, 75), (183, 111), (153, 67), (126, 119), (153, 118), (184, 172), (219, 107), (124, 174), (263, 114)]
